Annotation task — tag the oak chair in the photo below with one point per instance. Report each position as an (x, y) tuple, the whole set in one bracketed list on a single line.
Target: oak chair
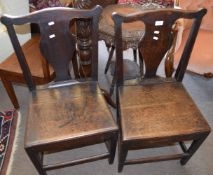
[(66, 114), (146, 5), (132, 33), (10, 70), (157, 111)]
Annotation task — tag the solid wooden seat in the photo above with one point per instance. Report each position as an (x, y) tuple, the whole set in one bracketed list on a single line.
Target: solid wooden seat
[(10, 70), (64, 114), (147, 113), (71, 113), (158, 111)]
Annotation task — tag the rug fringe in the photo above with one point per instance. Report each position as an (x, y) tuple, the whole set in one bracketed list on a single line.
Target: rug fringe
[(15, 145)]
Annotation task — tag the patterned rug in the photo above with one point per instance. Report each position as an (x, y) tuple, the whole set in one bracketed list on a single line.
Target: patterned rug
[(8, 123)]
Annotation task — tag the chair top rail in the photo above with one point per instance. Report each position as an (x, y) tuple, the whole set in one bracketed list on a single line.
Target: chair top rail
[(157, 39), (57, 44)]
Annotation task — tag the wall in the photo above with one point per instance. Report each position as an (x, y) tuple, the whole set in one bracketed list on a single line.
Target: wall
[(13, 7), (207, 22)]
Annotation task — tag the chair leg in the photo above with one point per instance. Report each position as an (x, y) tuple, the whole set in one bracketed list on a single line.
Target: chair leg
[(112, 85), (192, 149), (108, 46), (141, 63), (112, 150), (75, 66), (135, 54), (10, 91), (122, 154), (108, 98), (114, 78), (36, 159), (109, 59)]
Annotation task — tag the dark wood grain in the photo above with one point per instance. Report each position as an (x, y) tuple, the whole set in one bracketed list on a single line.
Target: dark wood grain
[(64, 114), (79, 110), (158, 111)]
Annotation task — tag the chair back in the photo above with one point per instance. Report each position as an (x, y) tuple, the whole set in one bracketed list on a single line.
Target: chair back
[(157, 39), (57, 44)]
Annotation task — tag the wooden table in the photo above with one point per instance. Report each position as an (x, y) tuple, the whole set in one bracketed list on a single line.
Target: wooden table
[(132, 32), (84, 41)]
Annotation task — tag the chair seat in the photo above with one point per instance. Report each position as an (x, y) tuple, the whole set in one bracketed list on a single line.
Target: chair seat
[(71, 113), (155, 111)]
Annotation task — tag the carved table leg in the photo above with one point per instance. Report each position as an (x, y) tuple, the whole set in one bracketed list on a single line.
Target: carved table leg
[(84, 47), (84, 42)]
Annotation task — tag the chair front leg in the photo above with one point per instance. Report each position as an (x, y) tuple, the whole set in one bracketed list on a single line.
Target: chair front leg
[(36, 159), (113, 143), (122, 154), (193, 148)]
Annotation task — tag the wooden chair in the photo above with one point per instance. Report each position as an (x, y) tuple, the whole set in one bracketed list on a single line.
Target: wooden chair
[(65, 114), (10, 70), (158, 111), (127, 40), (132, 33)]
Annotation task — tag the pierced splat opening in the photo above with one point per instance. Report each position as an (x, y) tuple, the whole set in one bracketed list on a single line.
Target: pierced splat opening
[(51, 23), (155, 38), (159, 23), (156, 32), (52, 36)]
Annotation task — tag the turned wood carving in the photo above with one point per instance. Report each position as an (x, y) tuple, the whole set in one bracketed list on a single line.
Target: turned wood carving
[(84, 40)]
